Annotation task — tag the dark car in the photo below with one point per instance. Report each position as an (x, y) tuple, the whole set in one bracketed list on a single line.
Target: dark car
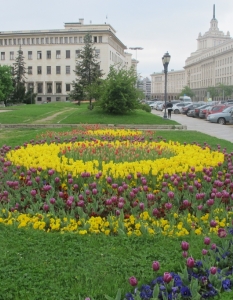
[(185, 109), (197, 110), (203, 111), (191, 113)]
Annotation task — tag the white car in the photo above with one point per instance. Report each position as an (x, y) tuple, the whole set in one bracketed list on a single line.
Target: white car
[(157, 104), (178, 106)]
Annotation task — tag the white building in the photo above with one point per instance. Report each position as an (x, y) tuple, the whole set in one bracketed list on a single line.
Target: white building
[(209, 65), (145, 86), (50, 55)]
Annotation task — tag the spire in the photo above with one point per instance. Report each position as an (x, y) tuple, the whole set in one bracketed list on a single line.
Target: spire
[(214, 12)]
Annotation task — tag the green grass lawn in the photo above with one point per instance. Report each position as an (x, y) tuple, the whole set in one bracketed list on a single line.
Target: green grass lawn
[(69, 113)]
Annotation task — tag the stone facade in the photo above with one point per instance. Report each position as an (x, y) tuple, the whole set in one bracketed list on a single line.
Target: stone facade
[(209, 65), (50, 55)]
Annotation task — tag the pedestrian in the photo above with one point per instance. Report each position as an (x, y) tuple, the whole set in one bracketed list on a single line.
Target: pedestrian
[(169, 109)]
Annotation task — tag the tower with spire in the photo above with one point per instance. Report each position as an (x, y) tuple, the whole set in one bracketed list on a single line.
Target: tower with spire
[(212, 37)]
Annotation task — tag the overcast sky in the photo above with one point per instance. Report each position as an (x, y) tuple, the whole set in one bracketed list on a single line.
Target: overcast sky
[(155, 25)]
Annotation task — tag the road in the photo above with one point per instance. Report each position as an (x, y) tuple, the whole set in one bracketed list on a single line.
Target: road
[(220, 131)]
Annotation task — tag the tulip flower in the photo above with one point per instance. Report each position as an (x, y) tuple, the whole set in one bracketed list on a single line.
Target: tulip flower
[(207, 240), (213, 270), (133, 281), (184, 246), (222, 233), (190, 262), (185, 254), (204, 251), (167, 277), (155, 265)]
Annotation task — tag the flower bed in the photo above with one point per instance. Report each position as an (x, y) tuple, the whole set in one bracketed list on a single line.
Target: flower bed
[(123, 182)]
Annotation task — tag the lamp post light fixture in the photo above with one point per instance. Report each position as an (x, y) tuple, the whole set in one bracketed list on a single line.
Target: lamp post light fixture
[(136, 48), (165, 59)]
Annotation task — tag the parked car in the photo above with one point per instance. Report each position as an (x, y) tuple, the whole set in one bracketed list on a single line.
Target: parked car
[(202, 113), (216, 109), (223, 117), (191, 113), (152, 104), (157, 103), (178, 106), (186, 108), (160, 106), (197, 109)]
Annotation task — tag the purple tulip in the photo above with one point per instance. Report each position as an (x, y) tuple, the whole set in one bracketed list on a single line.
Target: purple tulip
[(133, 281), (184, 246), (52, 201), (118, 212), (190, 262), (155, 265), (80, 203), (120, 205), (213, 270), (109, 180), (222, 233), (45, 207), (33, 193), (210, 202), (142, 206), (213, 223), (213, 246), (185, 254), (204, 251), (167, 277), (168, 205), (170, 195), (94, 191), (207, 240)]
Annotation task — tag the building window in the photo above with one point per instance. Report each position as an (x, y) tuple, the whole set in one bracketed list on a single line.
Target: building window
[(58, 70), (12, 55), (29, 54), (49, 88), (67, 87), (75, 39), (42, 41), (66, 40), (67, 69), (2, 55), (95, 39), (39, 55), (47, 40), (10, 41), (58, 98), (48, 54), (58, 54), (0, 42), (37, 41), (61, 40), (39, 87), (58, 87), (39, 70), (48, 99), (56, 40), (28, 41), (39, 98), (33, 41), (23, 42), (77, 53), (30, 70), (5, 42), (97, 53), (71, 40), (14, 41), (19, 41), (67, 53), (49, 70), (80, 39), (51, 40), (100, 39)]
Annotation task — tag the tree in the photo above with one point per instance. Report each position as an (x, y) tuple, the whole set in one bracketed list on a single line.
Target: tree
[(6, 83), (87, 71), (214, 92), (225, 90), (19, 77), (119, 92), (187, 91)]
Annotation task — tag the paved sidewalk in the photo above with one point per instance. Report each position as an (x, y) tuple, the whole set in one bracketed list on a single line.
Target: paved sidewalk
[(220, 131)]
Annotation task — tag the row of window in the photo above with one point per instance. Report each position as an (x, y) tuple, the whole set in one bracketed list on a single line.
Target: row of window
[(48, 99), (49, 87), (47, 40), (48, 54), (48, 70)]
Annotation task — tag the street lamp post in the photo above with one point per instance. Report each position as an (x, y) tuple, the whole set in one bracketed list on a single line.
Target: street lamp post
[(165, 59)]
